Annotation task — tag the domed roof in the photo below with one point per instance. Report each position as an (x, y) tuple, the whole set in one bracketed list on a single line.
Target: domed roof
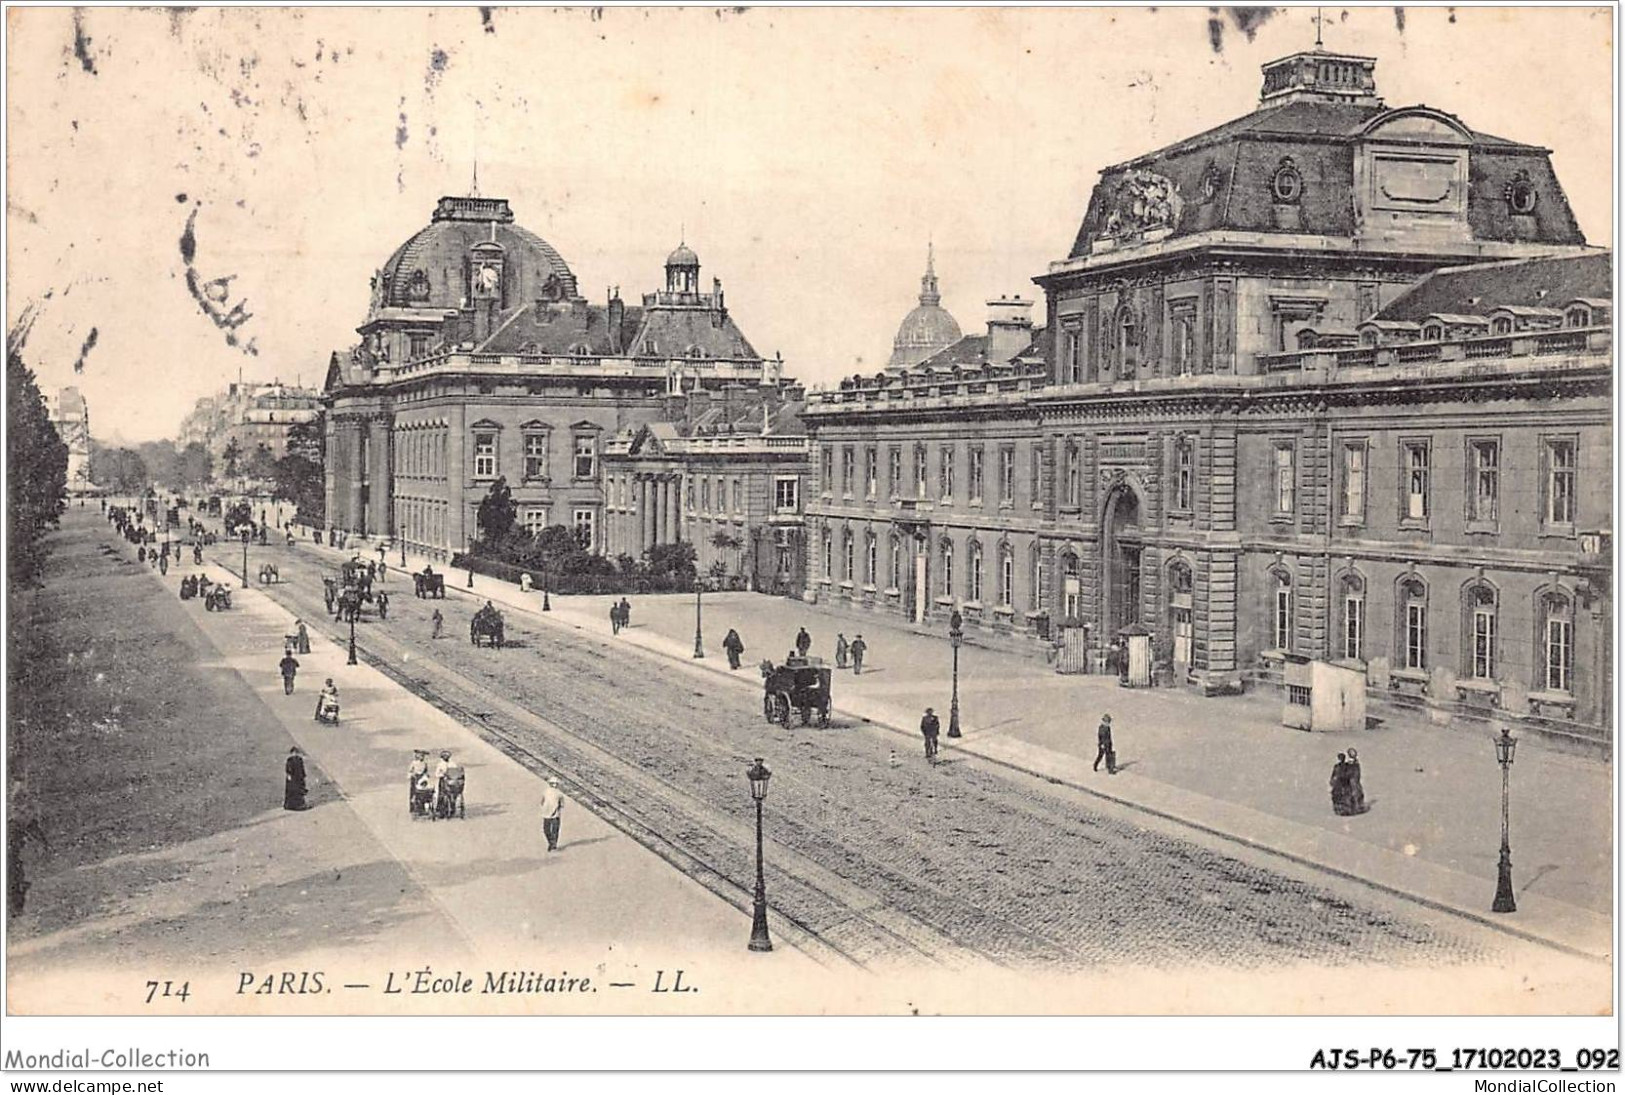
[(683, 256), (429, 271), (929, 327)]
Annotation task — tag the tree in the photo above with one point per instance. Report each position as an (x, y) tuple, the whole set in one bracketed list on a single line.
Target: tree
[(262, 464), (121, 469), (195, 465), (673, 560), (36, 468), (238, 515), (724, 540), (233, 453), (497, 513), (301, 481), (308, 439), (161, 460)]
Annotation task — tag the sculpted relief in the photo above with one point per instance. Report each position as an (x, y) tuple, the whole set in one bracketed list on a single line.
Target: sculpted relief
[(1140, 202)]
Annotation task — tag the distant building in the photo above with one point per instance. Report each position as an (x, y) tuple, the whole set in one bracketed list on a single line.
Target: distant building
[(929, 327), (71, 417), (481, 360), (250, 414), (721, 466)]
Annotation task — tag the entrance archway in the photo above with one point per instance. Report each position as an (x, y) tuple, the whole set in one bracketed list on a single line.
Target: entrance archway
[(1120, 561)]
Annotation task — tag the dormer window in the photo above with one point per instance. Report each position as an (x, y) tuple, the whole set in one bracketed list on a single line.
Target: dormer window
[(1502, 325), (1368, 338), (580, 349), (695, 352), (1578, 316), (1287, 185), (650, 347), (1521, 195), (1433, 332)]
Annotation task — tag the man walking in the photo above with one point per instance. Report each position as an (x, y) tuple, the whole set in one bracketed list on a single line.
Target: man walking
[(614, 618), (626, 612), (552, 811), (439, 623), (857, 650), (289, 667), (840, 650), (1104, 737), (803, 642), (929, 729)]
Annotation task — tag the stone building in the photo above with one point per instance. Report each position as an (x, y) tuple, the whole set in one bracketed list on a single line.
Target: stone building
[(250, 414), (928, 327), (69, 413), (724, 471), (481, 360), (1287, 358)]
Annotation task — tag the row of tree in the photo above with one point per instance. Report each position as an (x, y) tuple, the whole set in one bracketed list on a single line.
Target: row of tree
[(36, 468)]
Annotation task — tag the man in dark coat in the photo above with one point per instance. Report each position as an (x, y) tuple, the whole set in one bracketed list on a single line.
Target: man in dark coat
[(735, 646), (857, 650), (293, 791), (930, 727), (1356, 789), (614, 618), (289, 666), (626, 612), (1106, 752), (803, 642)]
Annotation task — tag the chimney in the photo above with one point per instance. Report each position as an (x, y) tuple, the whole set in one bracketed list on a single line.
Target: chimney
[(733, 401), (719, 313), (1009, 328), (617, 320)]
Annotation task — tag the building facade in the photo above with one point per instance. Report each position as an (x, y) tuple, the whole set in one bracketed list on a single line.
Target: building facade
[(481, 361), (252, 415), (1293, 365), (70, 415)]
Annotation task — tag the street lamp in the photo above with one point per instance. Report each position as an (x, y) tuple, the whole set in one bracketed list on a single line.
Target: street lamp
[(547, 605), (245, 558), (758, 776), (353, 614), (956, 635), (699, 648), (1505, 746)]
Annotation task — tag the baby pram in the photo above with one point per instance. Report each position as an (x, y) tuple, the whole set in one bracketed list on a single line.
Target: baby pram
[(422, 801)]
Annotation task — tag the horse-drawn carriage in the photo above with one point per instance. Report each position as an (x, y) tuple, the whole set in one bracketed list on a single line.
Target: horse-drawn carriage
[(217, 598), (801, 686), (429, 584), (269, 575), (486, 627)]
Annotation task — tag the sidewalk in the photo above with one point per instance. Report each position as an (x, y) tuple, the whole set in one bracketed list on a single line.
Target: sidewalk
[(1432, 835)]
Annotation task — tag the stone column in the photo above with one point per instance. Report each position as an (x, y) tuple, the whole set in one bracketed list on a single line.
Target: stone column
[(380, 519), (663, 508), (352, 448), (646, 514)]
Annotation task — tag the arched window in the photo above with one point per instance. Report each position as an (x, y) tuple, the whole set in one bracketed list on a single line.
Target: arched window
[(846, 552), (1352, 589), (1071, 587), (1369, 338), (896, 563), (1556, 653), (1433, 332), (1179, 578), (1579, 316), (1007, 575), (871, 553), (973, 572), (1412, 620), (947, 568), (1039, 590), (1502, 325), (695, 352), (1281, 609), (1480, 631), (1128, 338)]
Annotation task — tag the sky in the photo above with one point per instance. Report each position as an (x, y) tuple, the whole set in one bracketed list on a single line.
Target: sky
[(807, 155)]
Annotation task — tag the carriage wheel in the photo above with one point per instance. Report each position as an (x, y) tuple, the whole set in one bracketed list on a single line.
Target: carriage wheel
[(767, 708), (823, 716), (806, 715), (784, 710)]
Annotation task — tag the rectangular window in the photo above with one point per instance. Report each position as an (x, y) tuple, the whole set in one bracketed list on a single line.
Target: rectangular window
[(786, 494), (535, 455), (586, 462), (1072, 476), (1184, 341), (1007, 476), (826, 480), (847, 461), (1560, 481), (586, 523), (418, 346), (947, 472), (1484, 485), (1354, 481), (1184, 473), (871, 473), (1007, 578), (688, 491), (1559, 654), (1353, 626), (705, 495), (1484, 643), (1286, 478), (1416, 635), (485, 456), (1283, 617), (535, 520), (1073, 364), (895, 470), (976, 454), (737, 496), (1416, 466), (1037, 480), (920, 473)]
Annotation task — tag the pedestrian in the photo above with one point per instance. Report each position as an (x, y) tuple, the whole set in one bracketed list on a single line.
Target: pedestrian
[(735, 646), (439, 623), (383, 605), (163, 564), (803, 642), (626, 612), (383, 570), (289, 667), (552, 810), (614, 618), (417, 774), (524, 582), (1356, 788), (857, 650), (141, 554), (302, 636), (930, 727), (840, 650), (197, 555), (1340, 786), (1106, 752), (293, 790)]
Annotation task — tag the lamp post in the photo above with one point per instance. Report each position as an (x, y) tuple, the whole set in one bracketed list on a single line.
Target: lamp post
[(956, 635), (758, 776), (1505, 746), (699, 647), (352, 660), (547, 605), (245, 558)]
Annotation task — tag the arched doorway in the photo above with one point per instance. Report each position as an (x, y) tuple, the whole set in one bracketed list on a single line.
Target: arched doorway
[(1120, 561)]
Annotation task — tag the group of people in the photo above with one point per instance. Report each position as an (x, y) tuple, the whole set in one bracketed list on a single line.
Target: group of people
[(1348, 793), (620, 615), (439, 795)]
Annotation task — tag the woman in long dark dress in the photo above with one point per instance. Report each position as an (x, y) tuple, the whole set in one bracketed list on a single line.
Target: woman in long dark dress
[(293, 792), (1340, 786)]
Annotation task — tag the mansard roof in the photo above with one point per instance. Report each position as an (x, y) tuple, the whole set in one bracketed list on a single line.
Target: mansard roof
[(556, 329), (1477, 290)]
